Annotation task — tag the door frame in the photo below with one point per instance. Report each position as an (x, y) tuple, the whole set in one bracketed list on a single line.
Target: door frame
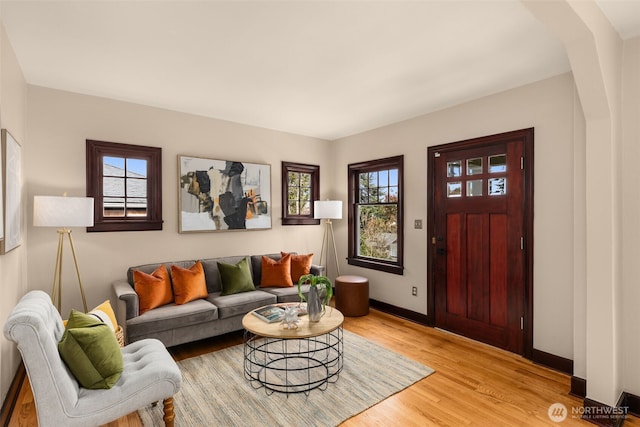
[(526, 135)]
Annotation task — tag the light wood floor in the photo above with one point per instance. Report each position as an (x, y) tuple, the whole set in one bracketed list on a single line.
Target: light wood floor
[(474, 384)]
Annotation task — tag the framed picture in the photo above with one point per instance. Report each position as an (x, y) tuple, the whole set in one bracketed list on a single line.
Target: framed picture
[(12, 195), (1, 195), (220, 195)]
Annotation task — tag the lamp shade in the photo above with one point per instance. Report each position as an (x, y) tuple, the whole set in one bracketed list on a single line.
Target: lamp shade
[(58, 211), (327, 209)]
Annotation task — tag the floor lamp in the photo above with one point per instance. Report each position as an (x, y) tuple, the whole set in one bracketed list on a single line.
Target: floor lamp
[(63, 212), (328, 210)]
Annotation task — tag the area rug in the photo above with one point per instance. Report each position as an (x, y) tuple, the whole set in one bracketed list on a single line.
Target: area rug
[(215, 392)]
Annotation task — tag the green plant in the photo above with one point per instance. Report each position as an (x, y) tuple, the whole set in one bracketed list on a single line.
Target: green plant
[(322, 283)]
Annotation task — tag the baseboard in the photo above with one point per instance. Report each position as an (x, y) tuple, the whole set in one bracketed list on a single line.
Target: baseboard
[(578, 387), (604, 415), (552, 361), (543, 358), (400, 312), (628, 403), (12, 395), (632, 403)]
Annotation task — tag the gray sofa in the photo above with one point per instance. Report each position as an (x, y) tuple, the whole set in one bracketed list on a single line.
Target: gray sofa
[(216, 315)]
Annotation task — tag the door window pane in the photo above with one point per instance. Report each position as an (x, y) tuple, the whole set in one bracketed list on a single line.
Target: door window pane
[(497, 186), (454, 168), (474, 166), (474, 188), (498, 163), (454, 189)]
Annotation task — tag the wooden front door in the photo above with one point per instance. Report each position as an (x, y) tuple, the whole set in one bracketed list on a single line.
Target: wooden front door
[(479, 238)]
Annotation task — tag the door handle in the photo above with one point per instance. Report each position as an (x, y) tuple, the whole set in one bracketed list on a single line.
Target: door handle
[(441, 251)]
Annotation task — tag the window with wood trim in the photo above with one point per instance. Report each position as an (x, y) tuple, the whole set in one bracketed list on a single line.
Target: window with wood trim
[(376, 215), (300, 188), (126, 183)]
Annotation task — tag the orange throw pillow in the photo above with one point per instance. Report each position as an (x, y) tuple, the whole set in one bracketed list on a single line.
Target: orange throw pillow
[(300, 265), (276, 274), (153, 289), (188, 283)]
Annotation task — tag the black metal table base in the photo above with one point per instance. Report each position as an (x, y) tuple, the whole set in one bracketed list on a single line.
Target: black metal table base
[(293, 365)]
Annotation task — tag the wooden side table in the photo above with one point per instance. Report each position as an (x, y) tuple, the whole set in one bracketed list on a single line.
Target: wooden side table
[(352, 295)]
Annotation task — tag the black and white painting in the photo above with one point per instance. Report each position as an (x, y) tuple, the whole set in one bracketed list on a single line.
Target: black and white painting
[(219, 195)]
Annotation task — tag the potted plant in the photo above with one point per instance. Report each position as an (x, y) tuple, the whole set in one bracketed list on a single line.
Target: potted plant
[(320, 293)]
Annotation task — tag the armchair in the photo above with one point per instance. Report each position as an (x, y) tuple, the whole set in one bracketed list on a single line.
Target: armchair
[(150, 373)]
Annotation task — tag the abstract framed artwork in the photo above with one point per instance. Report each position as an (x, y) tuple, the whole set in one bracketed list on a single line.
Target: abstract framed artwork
[(221, 195), (12, 194)]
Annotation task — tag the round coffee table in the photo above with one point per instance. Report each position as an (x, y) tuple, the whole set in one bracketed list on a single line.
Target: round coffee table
[(293, 360)]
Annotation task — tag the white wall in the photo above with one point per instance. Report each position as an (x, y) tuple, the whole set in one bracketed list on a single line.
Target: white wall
[(549, 107), (630, 293), (60, 122), (13, 272), (58, 125)]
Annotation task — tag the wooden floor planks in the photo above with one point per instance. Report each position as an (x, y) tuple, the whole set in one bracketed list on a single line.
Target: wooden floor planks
[(474, 384)]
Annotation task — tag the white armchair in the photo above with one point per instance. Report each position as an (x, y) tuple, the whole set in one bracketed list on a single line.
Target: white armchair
[(150, 373)]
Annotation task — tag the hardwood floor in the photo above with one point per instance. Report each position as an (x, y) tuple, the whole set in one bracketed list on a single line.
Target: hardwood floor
[(474, 384)]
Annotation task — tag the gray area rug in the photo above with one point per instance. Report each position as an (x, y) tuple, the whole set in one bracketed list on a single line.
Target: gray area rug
[(216, 393)]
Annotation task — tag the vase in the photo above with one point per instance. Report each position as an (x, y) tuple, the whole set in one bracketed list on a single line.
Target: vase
[(314, 305)]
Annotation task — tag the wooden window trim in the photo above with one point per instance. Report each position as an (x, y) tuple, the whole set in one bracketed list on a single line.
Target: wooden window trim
[(395, 267), (95, 151), (314, 171)]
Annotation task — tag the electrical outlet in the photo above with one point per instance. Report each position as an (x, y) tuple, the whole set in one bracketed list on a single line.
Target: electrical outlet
[(417, 224), (414, 291)]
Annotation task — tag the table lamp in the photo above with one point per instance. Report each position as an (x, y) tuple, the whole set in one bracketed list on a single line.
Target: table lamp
[(328, 210), (64, 213)]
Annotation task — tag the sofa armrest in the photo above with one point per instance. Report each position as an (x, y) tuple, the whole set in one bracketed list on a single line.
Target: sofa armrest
[(317, 270), (126, 299)]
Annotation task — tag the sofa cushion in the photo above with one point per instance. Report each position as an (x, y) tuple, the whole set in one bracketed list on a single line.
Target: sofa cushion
[(171, 316), (236, 278), (241, 303), (149, 268), (256, 266), (300, 265), (91, 351), (104, 313), (212, 273), (287, 294), (154, 290), (276, 274), (188, 283)]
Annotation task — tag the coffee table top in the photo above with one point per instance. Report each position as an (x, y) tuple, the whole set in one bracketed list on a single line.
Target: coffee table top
[(331, 320)]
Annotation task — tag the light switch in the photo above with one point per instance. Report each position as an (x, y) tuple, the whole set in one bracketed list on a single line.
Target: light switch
[(417, 224)]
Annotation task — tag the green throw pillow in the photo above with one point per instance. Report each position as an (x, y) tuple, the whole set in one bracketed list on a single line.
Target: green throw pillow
[(91, 351), (236, 278)]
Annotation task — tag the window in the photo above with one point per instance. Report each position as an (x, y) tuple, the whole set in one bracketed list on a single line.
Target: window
[(375, 214), (126, 184), (300, 187), (494, 178)]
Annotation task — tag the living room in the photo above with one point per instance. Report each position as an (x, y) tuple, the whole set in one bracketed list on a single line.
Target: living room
[(585, 196)]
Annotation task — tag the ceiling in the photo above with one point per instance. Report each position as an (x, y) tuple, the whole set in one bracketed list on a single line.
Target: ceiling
[(325, 69)]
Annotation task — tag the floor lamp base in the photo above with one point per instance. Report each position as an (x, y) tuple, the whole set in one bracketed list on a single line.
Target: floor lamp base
[(328, 235), (56, 292)]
